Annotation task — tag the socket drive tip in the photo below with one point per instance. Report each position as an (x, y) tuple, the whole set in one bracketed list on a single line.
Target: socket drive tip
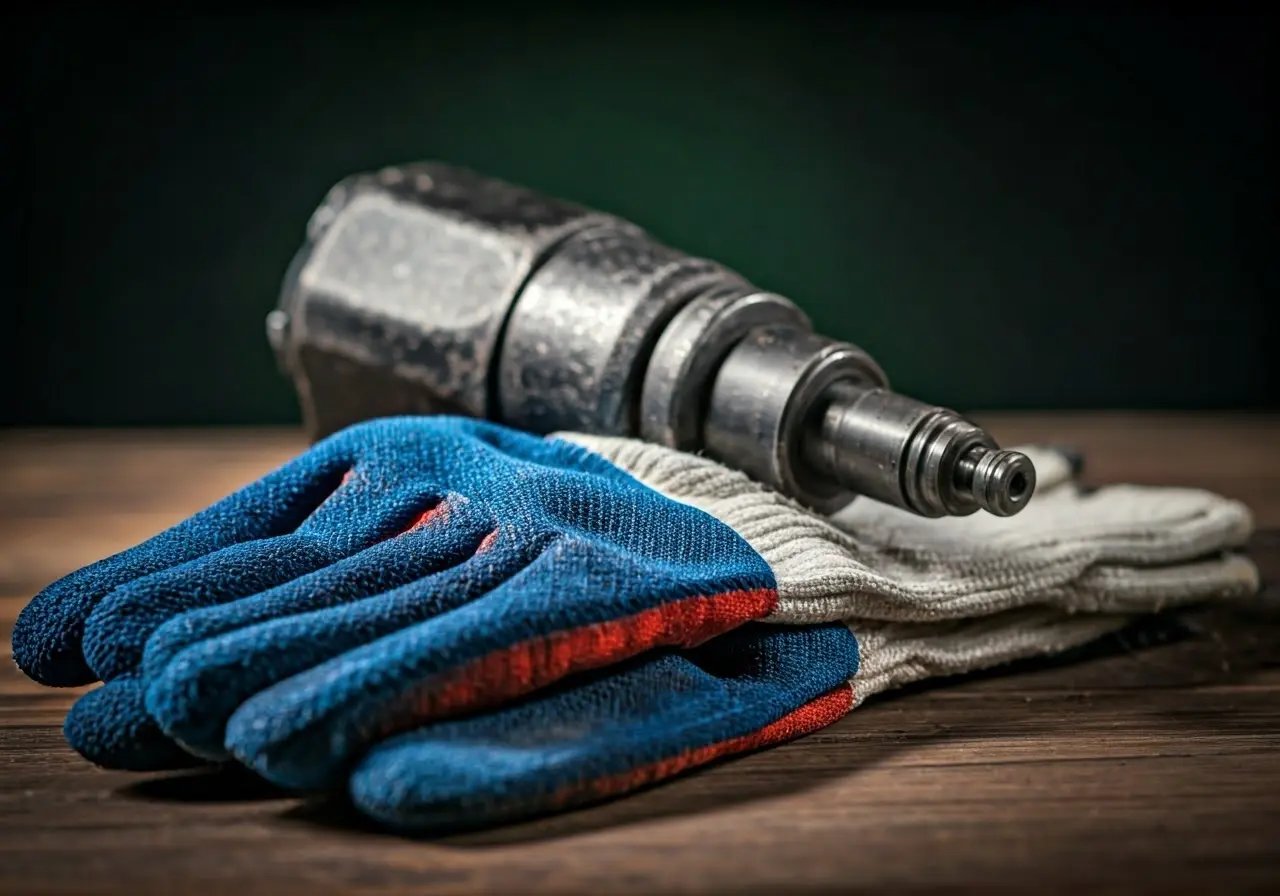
[(1003, 482)]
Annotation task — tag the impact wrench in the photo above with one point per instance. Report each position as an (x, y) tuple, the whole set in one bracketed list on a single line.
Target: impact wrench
[(428, 289)]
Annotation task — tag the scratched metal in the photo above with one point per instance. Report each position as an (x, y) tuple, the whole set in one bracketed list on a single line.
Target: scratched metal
[(426, 288), (411, 272)]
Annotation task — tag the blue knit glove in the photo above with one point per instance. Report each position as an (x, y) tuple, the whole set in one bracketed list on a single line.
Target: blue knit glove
[(401, 571), (613, 730)]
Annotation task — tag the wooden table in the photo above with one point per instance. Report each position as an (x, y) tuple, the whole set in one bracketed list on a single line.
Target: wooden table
[(1152, 759)]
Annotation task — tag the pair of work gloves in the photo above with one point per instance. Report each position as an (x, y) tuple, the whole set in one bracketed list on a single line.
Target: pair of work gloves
[(460, 624)]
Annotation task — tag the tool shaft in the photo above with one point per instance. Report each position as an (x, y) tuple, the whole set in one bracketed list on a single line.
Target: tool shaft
[(428, 288)]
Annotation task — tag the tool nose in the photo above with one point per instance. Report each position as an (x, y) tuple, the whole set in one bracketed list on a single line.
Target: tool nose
[(927, 459), (1000, 482)]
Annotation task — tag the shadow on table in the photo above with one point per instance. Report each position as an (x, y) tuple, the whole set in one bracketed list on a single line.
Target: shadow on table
[(224, 784), (1218, 645)]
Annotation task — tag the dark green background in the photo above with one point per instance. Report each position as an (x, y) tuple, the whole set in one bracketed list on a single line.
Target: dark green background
[(1009, 209)]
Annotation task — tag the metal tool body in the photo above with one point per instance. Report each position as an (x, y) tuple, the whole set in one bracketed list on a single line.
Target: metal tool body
[(427, 288)]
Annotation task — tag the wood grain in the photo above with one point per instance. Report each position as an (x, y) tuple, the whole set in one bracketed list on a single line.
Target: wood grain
[(1149, 761)]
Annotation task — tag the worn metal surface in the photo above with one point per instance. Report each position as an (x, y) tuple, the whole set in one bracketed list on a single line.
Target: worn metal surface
[(430, 289), (950, 466), (407, 276), (766, 390), (691, 350), (579, 337)]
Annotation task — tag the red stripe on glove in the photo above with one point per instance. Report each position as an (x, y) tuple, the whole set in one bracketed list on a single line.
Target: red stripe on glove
[(529, 665), (820, 713)]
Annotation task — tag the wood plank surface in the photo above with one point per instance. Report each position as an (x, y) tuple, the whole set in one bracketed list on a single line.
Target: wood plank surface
[(1150, 761)]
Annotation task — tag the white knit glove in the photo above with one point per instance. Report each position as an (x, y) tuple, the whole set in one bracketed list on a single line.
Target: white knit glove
[(929, 597)]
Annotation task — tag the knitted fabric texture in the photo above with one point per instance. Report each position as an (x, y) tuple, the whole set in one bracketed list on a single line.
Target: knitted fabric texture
[(401, 571), (460, 624), (1121, 549)]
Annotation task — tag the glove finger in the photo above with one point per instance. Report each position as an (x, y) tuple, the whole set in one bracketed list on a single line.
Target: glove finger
[(611, 731), (118, 628), (1116, 523), (893, 654), (196, 691), (452, 532), (48, 632), (110, 727), (1127, 589), (581, 604)]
